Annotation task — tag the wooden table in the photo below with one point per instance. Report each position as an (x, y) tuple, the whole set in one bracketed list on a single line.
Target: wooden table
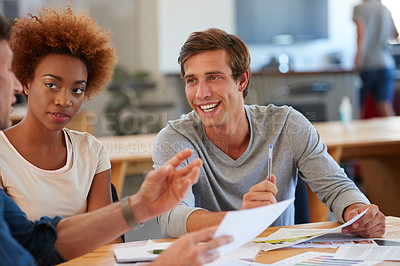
[(376, 143), (136, 150), (364, 139), (105, 254)]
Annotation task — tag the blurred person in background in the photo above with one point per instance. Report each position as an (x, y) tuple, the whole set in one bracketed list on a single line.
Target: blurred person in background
[(374, 61)]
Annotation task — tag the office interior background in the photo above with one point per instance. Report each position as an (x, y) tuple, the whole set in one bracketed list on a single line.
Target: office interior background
[(309, 47), (313, 37)]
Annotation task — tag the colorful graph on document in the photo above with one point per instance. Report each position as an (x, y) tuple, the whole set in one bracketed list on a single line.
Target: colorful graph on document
[(285, 240), (318, 258)]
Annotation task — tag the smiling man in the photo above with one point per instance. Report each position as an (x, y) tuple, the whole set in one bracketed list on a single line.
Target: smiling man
[(233, 141)]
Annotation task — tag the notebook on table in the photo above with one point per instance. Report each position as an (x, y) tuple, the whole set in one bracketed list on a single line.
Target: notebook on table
[(139, 254)]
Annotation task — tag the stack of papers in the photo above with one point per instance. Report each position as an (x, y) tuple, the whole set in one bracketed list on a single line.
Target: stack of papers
[(243, 225)]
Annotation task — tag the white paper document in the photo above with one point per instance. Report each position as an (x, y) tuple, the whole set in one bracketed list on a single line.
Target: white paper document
[(136, 254), (286, 237), (224, 261), (245, 225), (248, 251), (320, 258), (335, 240), (368, 253), (243, 256)]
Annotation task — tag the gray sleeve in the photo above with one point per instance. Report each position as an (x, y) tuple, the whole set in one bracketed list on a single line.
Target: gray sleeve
[(173, 223), (167, 144), (163, 147), (319, 169)]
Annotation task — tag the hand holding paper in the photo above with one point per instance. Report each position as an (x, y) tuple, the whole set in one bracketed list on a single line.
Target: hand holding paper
[(371, 225), (245, 225)]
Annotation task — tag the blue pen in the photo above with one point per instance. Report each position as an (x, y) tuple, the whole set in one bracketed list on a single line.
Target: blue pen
[(269, 162)]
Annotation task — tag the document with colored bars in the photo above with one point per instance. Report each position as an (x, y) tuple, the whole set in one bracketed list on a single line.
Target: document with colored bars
[(286, 237)]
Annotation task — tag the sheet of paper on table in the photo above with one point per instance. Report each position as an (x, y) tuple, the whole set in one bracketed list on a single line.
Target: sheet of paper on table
[(224, 261), (335, 240), (368, 253), (320, 258), (286, 237), (139, 253)]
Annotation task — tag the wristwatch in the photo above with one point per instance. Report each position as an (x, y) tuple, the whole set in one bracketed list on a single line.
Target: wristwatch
[(128, 214)]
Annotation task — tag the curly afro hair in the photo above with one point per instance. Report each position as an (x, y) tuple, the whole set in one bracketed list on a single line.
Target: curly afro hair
[(63, 31)]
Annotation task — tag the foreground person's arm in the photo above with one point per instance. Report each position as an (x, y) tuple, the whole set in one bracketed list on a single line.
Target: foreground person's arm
[(162, 189)]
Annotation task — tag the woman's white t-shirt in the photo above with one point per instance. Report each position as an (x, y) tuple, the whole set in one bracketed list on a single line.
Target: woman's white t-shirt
[(61, 192)]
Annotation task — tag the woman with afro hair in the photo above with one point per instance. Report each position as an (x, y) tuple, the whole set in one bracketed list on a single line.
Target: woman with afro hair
[(61, 58)]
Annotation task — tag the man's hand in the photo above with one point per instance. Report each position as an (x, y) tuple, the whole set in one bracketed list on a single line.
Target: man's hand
[(260, 194), (196, 248), (165, 187), (371, 224)]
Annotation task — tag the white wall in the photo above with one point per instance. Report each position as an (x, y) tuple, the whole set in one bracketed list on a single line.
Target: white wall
[(148, 34), (313, 55), (121, 17), (178, 18)]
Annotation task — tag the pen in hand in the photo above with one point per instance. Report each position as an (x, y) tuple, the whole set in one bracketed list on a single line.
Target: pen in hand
[(269, 162)]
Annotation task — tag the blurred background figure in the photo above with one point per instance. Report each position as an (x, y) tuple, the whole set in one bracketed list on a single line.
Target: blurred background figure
[(374, 60)]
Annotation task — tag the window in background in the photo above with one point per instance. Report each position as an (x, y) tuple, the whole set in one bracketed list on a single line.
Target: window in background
[(281, 22), (9, 8), (394, 8)]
